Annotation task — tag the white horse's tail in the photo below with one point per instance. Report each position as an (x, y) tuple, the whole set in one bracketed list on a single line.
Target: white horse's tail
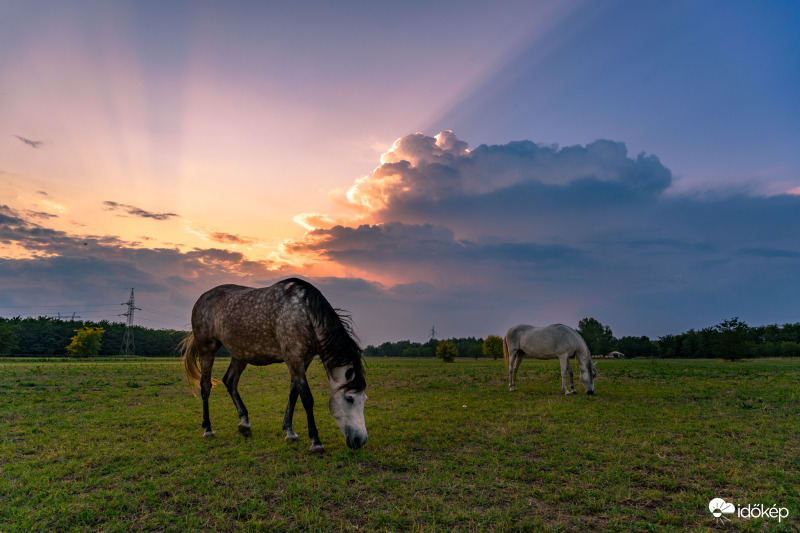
[(506, 356)]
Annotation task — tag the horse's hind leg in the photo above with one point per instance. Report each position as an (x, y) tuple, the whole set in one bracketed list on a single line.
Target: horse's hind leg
[(231, 381), (513, 366), (566, 368), (206, 363)]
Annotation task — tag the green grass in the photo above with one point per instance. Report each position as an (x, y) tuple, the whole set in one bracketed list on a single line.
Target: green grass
[(117, 446)]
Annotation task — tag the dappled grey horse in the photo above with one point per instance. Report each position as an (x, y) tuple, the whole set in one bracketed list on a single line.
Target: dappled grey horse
[(549, 342), (290, 322)]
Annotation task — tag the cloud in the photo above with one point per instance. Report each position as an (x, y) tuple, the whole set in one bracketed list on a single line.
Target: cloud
[(312, 221), (36, 239), (40, 214), (29, 142), (396, 243), (542, 234), (420, 171), (227, 238), (70, 269), (136, 211)]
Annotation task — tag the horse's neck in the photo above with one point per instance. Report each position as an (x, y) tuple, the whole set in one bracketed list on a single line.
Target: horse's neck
[(337, 377)]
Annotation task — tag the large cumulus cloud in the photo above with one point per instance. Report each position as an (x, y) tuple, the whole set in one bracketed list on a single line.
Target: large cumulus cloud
[(567, 232), (421, 171)]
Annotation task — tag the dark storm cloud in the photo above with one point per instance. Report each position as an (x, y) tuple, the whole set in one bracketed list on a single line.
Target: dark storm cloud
[(395, 242), (136, 211), (29, 142)]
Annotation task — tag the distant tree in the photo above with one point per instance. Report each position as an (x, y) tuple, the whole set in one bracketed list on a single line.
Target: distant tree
[(731, 339), (416, 350), (446, 351), (493, 347), (597, 336), (475, 350), (86, 341), (667, 346), (637, 347), (8, 337)]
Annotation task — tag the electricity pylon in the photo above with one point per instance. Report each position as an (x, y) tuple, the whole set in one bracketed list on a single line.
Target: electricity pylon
[(127, 339)]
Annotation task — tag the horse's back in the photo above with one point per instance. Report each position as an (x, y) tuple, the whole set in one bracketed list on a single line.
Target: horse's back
[(249, 321), (545, 341)]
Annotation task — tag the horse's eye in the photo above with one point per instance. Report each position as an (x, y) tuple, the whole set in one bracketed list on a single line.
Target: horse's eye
[(349, 399)]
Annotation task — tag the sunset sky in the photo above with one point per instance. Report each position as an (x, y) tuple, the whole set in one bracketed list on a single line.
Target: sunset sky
[(460, 165)]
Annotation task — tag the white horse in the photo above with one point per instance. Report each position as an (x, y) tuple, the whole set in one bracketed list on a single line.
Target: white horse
[(549, 342)]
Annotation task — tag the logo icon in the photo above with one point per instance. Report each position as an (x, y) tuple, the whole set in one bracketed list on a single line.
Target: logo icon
[(720, 507)]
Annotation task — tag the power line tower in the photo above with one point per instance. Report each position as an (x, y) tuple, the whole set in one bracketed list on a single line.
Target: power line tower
[(432, 333), (127, 339)]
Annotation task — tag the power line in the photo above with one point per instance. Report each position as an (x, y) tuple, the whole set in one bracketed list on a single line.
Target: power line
[(171, 315)]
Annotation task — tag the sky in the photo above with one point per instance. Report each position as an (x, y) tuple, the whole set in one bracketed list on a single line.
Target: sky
[(464, 166)]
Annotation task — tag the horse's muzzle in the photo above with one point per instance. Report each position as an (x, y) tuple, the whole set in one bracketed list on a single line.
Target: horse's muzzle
[(355, 440)]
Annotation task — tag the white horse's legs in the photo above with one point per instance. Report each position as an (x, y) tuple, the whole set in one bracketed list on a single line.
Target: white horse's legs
[(566, 368), (513, 366)]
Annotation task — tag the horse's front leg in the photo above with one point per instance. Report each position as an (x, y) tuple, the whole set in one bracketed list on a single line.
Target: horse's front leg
[(294, 392), (566, 368), (231, 381), (308, 405)]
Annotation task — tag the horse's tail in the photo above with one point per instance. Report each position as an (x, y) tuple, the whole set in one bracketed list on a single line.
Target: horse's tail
[(506, 357), (189, 351)]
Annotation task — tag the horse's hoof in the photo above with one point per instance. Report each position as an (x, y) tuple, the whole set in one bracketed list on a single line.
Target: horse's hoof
[(246, 431), (208, 433), (317, 448), (291, 438), (512, 389)]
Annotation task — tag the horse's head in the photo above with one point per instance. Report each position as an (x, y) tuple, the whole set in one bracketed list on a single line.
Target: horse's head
[(347, 404), (588, 373)]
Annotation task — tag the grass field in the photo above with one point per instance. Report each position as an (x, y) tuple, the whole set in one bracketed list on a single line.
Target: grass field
[(117, 446)]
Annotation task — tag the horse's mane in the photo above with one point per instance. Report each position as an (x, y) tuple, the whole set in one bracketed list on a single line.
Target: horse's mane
[(338, 343)]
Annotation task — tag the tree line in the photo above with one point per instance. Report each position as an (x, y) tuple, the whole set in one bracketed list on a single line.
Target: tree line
[(465, 347), (47, 336), (730, 339)]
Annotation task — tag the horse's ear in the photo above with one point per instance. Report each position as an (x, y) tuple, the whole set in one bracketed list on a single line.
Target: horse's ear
[(349, 374)]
